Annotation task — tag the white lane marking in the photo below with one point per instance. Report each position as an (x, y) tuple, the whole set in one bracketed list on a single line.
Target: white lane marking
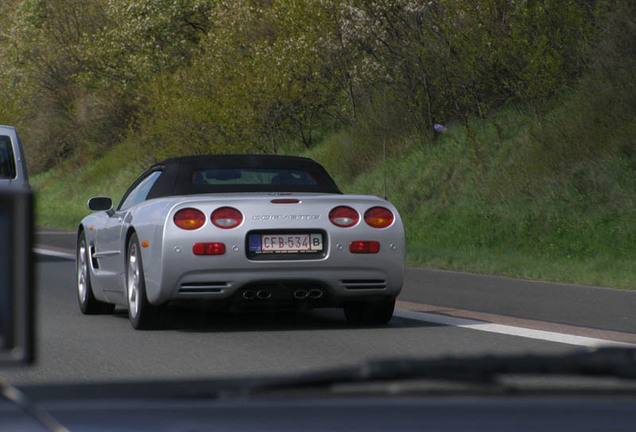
[(68, 233), (54, 253), (508, 330)]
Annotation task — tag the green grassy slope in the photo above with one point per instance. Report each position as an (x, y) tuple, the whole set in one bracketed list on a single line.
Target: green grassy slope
[(477, 200), (62, 192), (469, 201)]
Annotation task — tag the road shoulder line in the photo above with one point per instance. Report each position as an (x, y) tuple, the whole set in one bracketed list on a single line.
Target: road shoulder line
[(57, 253), (579, 336)]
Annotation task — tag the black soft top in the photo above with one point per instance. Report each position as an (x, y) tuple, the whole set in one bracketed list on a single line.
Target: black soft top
[(178, 173)]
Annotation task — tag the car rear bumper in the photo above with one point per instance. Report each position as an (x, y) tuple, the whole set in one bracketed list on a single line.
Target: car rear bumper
[(338, 278)]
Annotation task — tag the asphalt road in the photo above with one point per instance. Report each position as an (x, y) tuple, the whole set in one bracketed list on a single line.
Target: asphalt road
[(197, 343), (592, 307)]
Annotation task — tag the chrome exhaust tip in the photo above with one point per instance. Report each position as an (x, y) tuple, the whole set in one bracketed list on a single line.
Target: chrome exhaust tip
[(315, 293), (249, 295), (301, 294), (264, 295)]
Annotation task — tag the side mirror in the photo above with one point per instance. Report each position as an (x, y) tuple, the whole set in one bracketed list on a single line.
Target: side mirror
[(100, 204)]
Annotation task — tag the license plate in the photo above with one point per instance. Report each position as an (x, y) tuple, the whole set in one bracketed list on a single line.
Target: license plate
[(285, 243)]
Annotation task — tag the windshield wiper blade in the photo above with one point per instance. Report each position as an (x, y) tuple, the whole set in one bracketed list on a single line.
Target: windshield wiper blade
[(16, 396), (615, 362)]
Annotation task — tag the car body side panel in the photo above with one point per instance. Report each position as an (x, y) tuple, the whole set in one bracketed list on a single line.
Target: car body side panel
[(109, 235), (102, 280), (108, 250), (148, 220)]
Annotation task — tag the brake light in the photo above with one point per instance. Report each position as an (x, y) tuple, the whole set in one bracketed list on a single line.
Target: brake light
[(208, 248), (364, 247), (344, 216), (226, 217), (189, 219), (378, 217), (285, 201)]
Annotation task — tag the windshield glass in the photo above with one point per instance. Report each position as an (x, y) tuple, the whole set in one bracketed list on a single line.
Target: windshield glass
[(458, 179), (7, 161), (246, 176)]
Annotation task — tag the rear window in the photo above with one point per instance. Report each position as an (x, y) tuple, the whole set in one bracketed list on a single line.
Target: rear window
[(213, 174), (7, 161), (252, 176)]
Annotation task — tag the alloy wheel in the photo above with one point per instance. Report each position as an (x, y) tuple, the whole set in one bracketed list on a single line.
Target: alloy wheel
[(133, 281), (82, 271)]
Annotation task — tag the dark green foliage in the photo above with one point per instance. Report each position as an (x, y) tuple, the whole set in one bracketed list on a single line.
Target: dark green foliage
[(599, 120), (208, 77)]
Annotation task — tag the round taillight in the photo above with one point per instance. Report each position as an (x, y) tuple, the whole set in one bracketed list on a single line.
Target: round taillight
[(189, 219), (378, 217), (226, 217), (344, 216)]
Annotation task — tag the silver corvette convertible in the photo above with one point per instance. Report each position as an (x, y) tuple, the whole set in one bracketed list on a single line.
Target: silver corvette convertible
[(246, 231)]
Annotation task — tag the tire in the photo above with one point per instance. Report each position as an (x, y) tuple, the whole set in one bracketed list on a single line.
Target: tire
[(142, 314), (370, 313), (88, 304)]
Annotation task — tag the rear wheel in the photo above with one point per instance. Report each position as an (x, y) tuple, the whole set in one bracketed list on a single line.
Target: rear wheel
[(88, 304), (370, 312), (142, 314)]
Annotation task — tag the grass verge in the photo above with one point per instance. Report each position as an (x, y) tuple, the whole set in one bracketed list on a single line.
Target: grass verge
[(470, 200), (62, 193)]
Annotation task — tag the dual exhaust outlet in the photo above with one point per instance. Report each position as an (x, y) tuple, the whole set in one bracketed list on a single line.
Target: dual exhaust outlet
[(299, 294), (302, 294), (260, 295)]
